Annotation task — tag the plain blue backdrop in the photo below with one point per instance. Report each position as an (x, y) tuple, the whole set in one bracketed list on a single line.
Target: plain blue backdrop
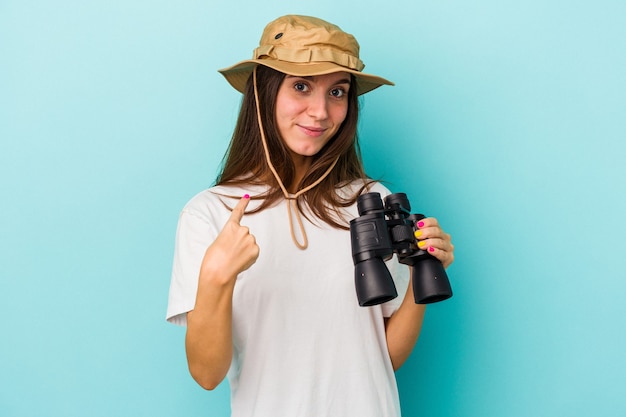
[(506, 122)]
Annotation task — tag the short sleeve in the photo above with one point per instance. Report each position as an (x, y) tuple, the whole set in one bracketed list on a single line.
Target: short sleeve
[(194, 235)]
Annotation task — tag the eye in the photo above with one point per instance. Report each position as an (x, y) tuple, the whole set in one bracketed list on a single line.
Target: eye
[(337, 92), (301, 87)]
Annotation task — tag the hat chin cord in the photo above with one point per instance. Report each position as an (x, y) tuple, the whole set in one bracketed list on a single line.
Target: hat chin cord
[(292, 205)]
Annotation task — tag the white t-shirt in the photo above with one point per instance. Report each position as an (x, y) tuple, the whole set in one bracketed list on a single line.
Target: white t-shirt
[(302, 344)]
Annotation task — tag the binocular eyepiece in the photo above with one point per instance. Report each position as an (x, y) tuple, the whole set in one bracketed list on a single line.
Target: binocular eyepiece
[(378, 233)]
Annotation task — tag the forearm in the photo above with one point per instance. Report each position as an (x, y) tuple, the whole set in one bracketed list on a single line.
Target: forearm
[(208, 341), (403, 328)]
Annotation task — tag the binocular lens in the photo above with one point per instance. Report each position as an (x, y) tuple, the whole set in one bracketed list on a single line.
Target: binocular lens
[(397, 202), (430, 282), (369, 202), (373, 281)]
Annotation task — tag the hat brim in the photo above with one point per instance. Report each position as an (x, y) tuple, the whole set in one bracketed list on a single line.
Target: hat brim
[(238, 74)]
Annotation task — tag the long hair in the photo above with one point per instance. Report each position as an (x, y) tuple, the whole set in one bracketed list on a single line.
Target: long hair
[(244, 161)]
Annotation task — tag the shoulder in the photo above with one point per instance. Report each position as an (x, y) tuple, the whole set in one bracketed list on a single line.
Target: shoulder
[(353, 188), (217, 201), (209, 203), (378, 187)]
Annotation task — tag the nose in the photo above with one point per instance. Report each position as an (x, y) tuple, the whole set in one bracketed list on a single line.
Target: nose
[(318, 106)]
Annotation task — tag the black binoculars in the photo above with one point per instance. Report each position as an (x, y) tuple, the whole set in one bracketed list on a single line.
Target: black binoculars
[(378, 233)]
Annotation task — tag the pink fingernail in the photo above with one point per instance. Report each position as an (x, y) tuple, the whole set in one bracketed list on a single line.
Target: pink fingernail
[(420, 224), (431, 249), (246, 196)]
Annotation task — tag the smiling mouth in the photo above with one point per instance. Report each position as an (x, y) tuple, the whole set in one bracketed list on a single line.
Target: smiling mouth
[(312, 131)]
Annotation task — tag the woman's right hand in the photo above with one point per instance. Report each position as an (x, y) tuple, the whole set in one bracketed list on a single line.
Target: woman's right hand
[(209, 338), (234, 250)]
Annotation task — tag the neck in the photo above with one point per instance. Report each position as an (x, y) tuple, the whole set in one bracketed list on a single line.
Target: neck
[(302, 165)]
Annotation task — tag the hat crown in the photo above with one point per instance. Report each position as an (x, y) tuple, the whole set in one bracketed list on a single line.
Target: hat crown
[(306, 39), (304, 46)]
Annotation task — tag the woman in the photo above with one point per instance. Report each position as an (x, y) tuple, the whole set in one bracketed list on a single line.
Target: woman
[(264, 282)]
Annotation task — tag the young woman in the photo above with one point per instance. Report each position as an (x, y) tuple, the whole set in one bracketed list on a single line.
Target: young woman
[(263, 276)]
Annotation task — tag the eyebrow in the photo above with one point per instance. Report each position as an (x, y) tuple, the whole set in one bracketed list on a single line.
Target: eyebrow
[(311, 77), (344, 81)]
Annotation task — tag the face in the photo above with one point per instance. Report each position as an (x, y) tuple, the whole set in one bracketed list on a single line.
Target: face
[(310, 110)]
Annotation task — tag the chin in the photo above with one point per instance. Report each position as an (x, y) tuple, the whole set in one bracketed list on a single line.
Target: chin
[(305, 153), (312, 152)]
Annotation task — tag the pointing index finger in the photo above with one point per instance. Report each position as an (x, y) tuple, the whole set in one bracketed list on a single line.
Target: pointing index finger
[(239, 209)]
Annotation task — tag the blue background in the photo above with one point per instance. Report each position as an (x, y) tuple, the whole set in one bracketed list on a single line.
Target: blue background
[(507, 123)]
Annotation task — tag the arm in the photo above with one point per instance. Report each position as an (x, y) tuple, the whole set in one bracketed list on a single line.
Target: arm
[(208, 341), (403, 327)]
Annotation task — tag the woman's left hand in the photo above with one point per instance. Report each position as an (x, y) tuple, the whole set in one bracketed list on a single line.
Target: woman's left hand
[(431, 237)]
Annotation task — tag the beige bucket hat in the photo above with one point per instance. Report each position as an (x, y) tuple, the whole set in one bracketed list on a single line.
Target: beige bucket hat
[(305, 46)]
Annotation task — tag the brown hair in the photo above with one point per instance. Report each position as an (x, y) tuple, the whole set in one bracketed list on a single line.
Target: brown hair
[(244, 161)]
